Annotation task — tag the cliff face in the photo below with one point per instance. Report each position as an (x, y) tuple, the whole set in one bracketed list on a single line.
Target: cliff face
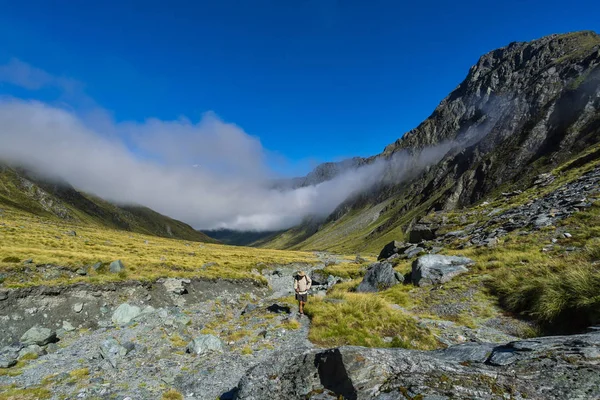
[(521, 104), (522, 110)]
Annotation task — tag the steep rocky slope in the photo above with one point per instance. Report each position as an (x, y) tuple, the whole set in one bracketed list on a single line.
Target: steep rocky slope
[(521, 110), (25, 191)]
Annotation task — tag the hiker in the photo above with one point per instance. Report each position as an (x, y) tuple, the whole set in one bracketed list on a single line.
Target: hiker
[(301, 285)]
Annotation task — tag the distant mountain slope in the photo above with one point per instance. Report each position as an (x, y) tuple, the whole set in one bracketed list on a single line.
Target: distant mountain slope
[(522, 110), (238, 238), (23, 190)]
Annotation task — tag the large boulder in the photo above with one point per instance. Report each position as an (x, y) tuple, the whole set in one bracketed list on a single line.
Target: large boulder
[(379, 276), (421, 232), (319, 277), (559, 367), (433, 269), (176, 286), (38, 335), (205, 344), (394, 247), (125, 313)]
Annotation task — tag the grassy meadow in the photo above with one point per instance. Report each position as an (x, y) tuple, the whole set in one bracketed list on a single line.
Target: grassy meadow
[(25, 236)]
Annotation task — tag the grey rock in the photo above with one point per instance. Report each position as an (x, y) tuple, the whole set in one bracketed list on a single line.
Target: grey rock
[(175, 285), (319, 277), (78, 307), (3, 295), (542, 221), (433, 269), (81, 271), (67, 326), (51, 348), (113, 352), (28, 261), (413, 252), (392, 248), (9, 355), (379, 276), (420, 232), (97, 266), (38, 335), (125, 313), (31, 349), (502, 357), (249, 308), (205, 344), (116, 267), (467, 352), (553, 369)]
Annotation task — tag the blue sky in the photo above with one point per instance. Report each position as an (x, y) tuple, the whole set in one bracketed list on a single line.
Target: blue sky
[(315, 80)]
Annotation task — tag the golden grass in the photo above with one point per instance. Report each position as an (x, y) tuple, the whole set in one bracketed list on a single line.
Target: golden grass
[(364, 320), (172, 394), (178, 341), (33, 393), (291, 324), (80, 373), (347, 270), (27, 236)]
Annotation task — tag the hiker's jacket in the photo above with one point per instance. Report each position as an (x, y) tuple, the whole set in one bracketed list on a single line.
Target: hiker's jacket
[(303, 284)]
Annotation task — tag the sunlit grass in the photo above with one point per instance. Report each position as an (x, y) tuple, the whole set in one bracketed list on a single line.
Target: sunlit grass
[(364, 320), (26, 236)]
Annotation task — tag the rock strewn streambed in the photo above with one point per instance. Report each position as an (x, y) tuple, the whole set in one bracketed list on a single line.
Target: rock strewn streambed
[(139, 351)]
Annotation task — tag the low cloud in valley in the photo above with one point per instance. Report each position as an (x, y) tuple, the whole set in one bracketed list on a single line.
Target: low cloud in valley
[(210, 174)]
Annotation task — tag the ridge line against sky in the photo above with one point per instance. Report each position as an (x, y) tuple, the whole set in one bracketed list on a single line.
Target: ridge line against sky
[(320, 80)]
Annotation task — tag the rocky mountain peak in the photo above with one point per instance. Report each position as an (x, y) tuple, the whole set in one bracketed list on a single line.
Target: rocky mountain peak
[(522, 77)]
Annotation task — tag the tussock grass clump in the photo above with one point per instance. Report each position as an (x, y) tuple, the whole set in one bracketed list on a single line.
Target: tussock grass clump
[(33, 393), (561, 298), (80, 373), (178, 341), (291, 324), (172, 394), (364, 320)]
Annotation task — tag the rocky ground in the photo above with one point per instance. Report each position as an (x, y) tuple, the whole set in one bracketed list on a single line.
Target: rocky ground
[(154, 341), (561, 367)]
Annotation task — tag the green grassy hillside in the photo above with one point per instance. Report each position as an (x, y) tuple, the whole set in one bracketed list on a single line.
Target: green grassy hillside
[(23, 191), (368, 229)]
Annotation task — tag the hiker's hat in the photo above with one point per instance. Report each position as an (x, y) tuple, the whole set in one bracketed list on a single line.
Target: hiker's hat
[(301, 273)]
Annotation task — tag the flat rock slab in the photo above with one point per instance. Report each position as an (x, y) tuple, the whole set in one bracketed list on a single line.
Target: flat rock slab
[(557, 367)]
